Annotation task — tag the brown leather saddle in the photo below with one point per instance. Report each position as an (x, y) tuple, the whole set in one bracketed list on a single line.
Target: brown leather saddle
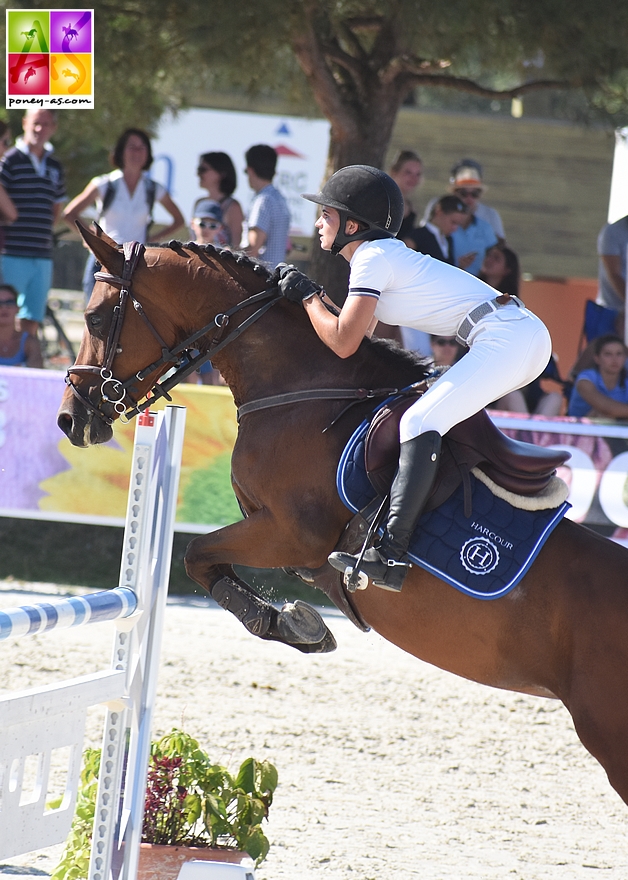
[(521, 468)]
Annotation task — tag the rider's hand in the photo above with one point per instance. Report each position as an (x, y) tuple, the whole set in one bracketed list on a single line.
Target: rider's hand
[(295, 285)]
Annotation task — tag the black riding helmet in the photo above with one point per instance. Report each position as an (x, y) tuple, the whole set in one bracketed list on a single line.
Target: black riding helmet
[(364, 193)]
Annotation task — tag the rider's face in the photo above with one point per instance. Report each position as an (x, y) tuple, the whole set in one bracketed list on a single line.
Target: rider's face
[(328, 225)]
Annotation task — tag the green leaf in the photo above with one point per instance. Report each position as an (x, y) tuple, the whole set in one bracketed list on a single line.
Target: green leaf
[(246, 776)]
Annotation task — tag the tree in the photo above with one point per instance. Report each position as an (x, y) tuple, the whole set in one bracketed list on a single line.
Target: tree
[(362, 58), (359, 59)]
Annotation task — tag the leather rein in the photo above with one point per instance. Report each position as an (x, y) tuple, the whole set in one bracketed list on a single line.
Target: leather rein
[(114, 393)]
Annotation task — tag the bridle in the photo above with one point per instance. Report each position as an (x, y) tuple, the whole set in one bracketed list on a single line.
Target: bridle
[(115, 393)]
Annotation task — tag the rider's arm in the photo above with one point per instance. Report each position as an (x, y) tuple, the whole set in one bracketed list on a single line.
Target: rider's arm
[(600, 404), (77, 205), (343, 333), (178, 220)]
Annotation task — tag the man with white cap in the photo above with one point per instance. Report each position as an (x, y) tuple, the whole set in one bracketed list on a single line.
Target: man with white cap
[(474, 235)]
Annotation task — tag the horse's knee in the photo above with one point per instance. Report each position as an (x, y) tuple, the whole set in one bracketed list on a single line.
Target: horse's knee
[(197, 560)]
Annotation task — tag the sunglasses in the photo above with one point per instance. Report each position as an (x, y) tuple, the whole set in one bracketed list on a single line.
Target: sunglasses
[(8, 302), (202, 169), (208, 224), (444, 342), (472, 193)]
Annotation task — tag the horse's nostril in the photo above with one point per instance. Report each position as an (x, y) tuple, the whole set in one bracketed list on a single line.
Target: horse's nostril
[(65, 422)]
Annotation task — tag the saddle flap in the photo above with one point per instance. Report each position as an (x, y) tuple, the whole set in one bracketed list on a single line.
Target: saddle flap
[(519, 467)]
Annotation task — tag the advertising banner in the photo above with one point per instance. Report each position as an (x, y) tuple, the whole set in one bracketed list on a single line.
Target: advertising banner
[(301, 146), (42, 476)]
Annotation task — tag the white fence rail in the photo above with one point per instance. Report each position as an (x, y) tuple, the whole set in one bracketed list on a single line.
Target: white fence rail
[(36, 723)]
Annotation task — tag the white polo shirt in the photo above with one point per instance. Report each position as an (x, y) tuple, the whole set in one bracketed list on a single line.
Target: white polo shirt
[(414, 290)]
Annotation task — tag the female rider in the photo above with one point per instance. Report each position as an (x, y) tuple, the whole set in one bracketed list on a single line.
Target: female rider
[(362, 209)]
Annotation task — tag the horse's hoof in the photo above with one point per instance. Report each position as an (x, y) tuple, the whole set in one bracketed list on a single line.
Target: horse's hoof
[(300, 624)]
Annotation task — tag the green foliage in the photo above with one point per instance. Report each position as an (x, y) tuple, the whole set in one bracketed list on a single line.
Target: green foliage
[(353, 57), (208, 496), (190, 801)]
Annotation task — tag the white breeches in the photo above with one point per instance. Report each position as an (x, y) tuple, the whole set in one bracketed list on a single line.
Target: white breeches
[(507, 350)]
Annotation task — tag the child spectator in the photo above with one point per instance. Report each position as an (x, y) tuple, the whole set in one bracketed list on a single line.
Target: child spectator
[(207, 223)]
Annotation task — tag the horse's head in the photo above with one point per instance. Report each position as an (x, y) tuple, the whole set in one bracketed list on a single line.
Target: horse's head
[(135, 331)]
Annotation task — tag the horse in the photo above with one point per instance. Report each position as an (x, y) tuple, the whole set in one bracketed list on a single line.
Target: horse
[(561, 633)]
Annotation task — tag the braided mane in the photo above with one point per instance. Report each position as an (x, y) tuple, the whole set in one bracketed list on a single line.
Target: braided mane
[(385, 350)]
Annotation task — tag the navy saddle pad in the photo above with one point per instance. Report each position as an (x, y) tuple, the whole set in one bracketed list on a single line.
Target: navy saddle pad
[(484, 555)]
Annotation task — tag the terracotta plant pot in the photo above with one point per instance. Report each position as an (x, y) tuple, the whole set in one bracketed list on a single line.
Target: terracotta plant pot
[(164, 862)]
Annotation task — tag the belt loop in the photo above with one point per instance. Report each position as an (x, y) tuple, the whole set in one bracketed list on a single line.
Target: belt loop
[(476, 314)]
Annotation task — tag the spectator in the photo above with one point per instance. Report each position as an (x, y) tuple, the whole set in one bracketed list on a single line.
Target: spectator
[(34, 181), (611, 248), (500, 269), (17, 348), (269, 216), (125, 198), (602, 392), (407, 172), (474, 236), (472, 170), (208, 228), (218, 176), (434, 236), (446, 350), (8, 213), (207, 223)]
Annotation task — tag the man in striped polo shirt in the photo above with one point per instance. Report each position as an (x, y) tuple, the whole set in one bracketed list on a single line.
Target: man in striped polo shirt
[(35, 182)]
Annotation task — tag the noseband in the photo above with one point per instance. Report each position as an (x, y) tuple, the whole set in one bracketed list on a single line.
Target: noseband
[(114, 393)]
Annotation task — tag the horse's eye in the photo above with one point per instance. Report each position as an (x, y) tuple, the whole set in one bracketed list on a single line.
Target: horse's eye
[(94, 321)]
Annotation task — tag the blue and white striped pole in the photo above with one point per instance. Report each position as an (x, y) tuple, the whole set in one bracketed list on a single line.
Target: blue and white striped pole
[(29, 620)]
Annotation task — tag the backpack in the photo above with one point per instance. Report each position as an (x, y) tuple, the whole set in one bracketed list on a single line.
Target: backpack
[(110, 192)]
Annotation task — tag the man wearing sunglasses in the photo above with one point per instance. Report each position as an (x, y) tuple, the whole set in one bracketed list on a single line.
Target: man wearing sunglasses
[(474, 235)]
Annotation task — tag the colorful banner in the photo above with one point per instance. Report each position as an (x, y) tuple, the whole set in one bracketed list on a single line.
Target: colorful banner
[(50, 58), (42, 476)]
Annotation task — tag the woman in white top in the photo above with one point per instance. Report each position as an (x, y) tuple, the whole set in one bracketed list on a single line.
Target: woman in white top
[(125, 197), (362, 209)]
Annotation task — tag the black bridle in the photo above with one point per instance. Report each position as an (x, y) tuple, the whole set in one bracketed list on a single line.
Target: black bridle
[(115, 393)]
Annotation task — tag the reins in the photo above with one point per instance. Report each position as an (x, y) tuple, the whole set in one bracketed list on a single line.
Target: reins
[(114, 393)]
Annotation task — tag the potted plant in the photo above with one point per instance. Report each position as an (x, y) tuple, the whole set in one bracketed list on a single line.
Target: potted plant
[(193, 809)]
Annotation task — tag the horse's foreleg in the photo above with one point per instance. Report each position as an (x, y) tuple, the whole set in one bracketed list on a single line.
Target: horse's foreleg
[(207, 562)]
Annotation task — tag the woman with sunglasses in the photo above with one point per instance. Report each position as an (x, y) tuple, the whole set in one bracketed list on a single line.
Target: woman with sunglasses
[(362, 210), (217, 175), (17, 349)]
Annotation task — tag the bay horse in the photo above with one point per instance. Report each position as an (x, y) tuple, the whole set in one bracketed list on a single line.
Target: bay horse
[(561, 633)]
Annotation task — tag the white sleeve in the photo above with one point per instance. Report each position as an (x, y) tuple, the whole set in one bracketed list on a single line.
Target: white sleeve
[(371, 273)]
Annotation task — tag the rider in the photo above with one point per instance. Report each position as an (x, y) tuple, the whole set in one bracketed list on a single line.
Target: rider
[(362, 209)]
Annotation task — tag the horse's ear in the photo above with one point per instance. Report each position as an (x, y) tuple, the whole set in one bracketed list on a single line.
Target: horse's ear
[(105, 249)]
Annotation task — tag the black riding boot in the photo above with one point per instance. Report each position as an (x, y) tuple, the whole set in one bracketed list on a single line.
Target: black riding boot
[(386, 563)]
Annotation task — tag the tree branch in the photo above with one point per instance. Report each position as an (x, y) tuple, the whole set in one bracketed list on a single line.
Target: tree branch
[(468, 85)]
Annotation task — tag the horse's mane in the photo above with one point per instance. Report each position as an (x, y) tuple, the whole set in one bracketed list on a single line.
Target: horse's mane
[(223, 253)]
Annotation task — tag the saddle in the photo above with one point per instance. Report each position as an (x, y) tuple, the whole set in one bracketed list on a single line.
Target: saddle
[(520, 468)]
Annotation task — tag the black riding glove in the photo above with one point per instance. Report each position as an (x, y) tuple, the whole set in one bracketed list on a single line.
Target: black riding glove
[(295, 285)]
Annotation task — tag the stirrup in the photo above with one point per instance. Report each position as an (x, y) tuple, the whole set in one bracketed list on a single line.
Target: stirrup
[(390, 576)]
